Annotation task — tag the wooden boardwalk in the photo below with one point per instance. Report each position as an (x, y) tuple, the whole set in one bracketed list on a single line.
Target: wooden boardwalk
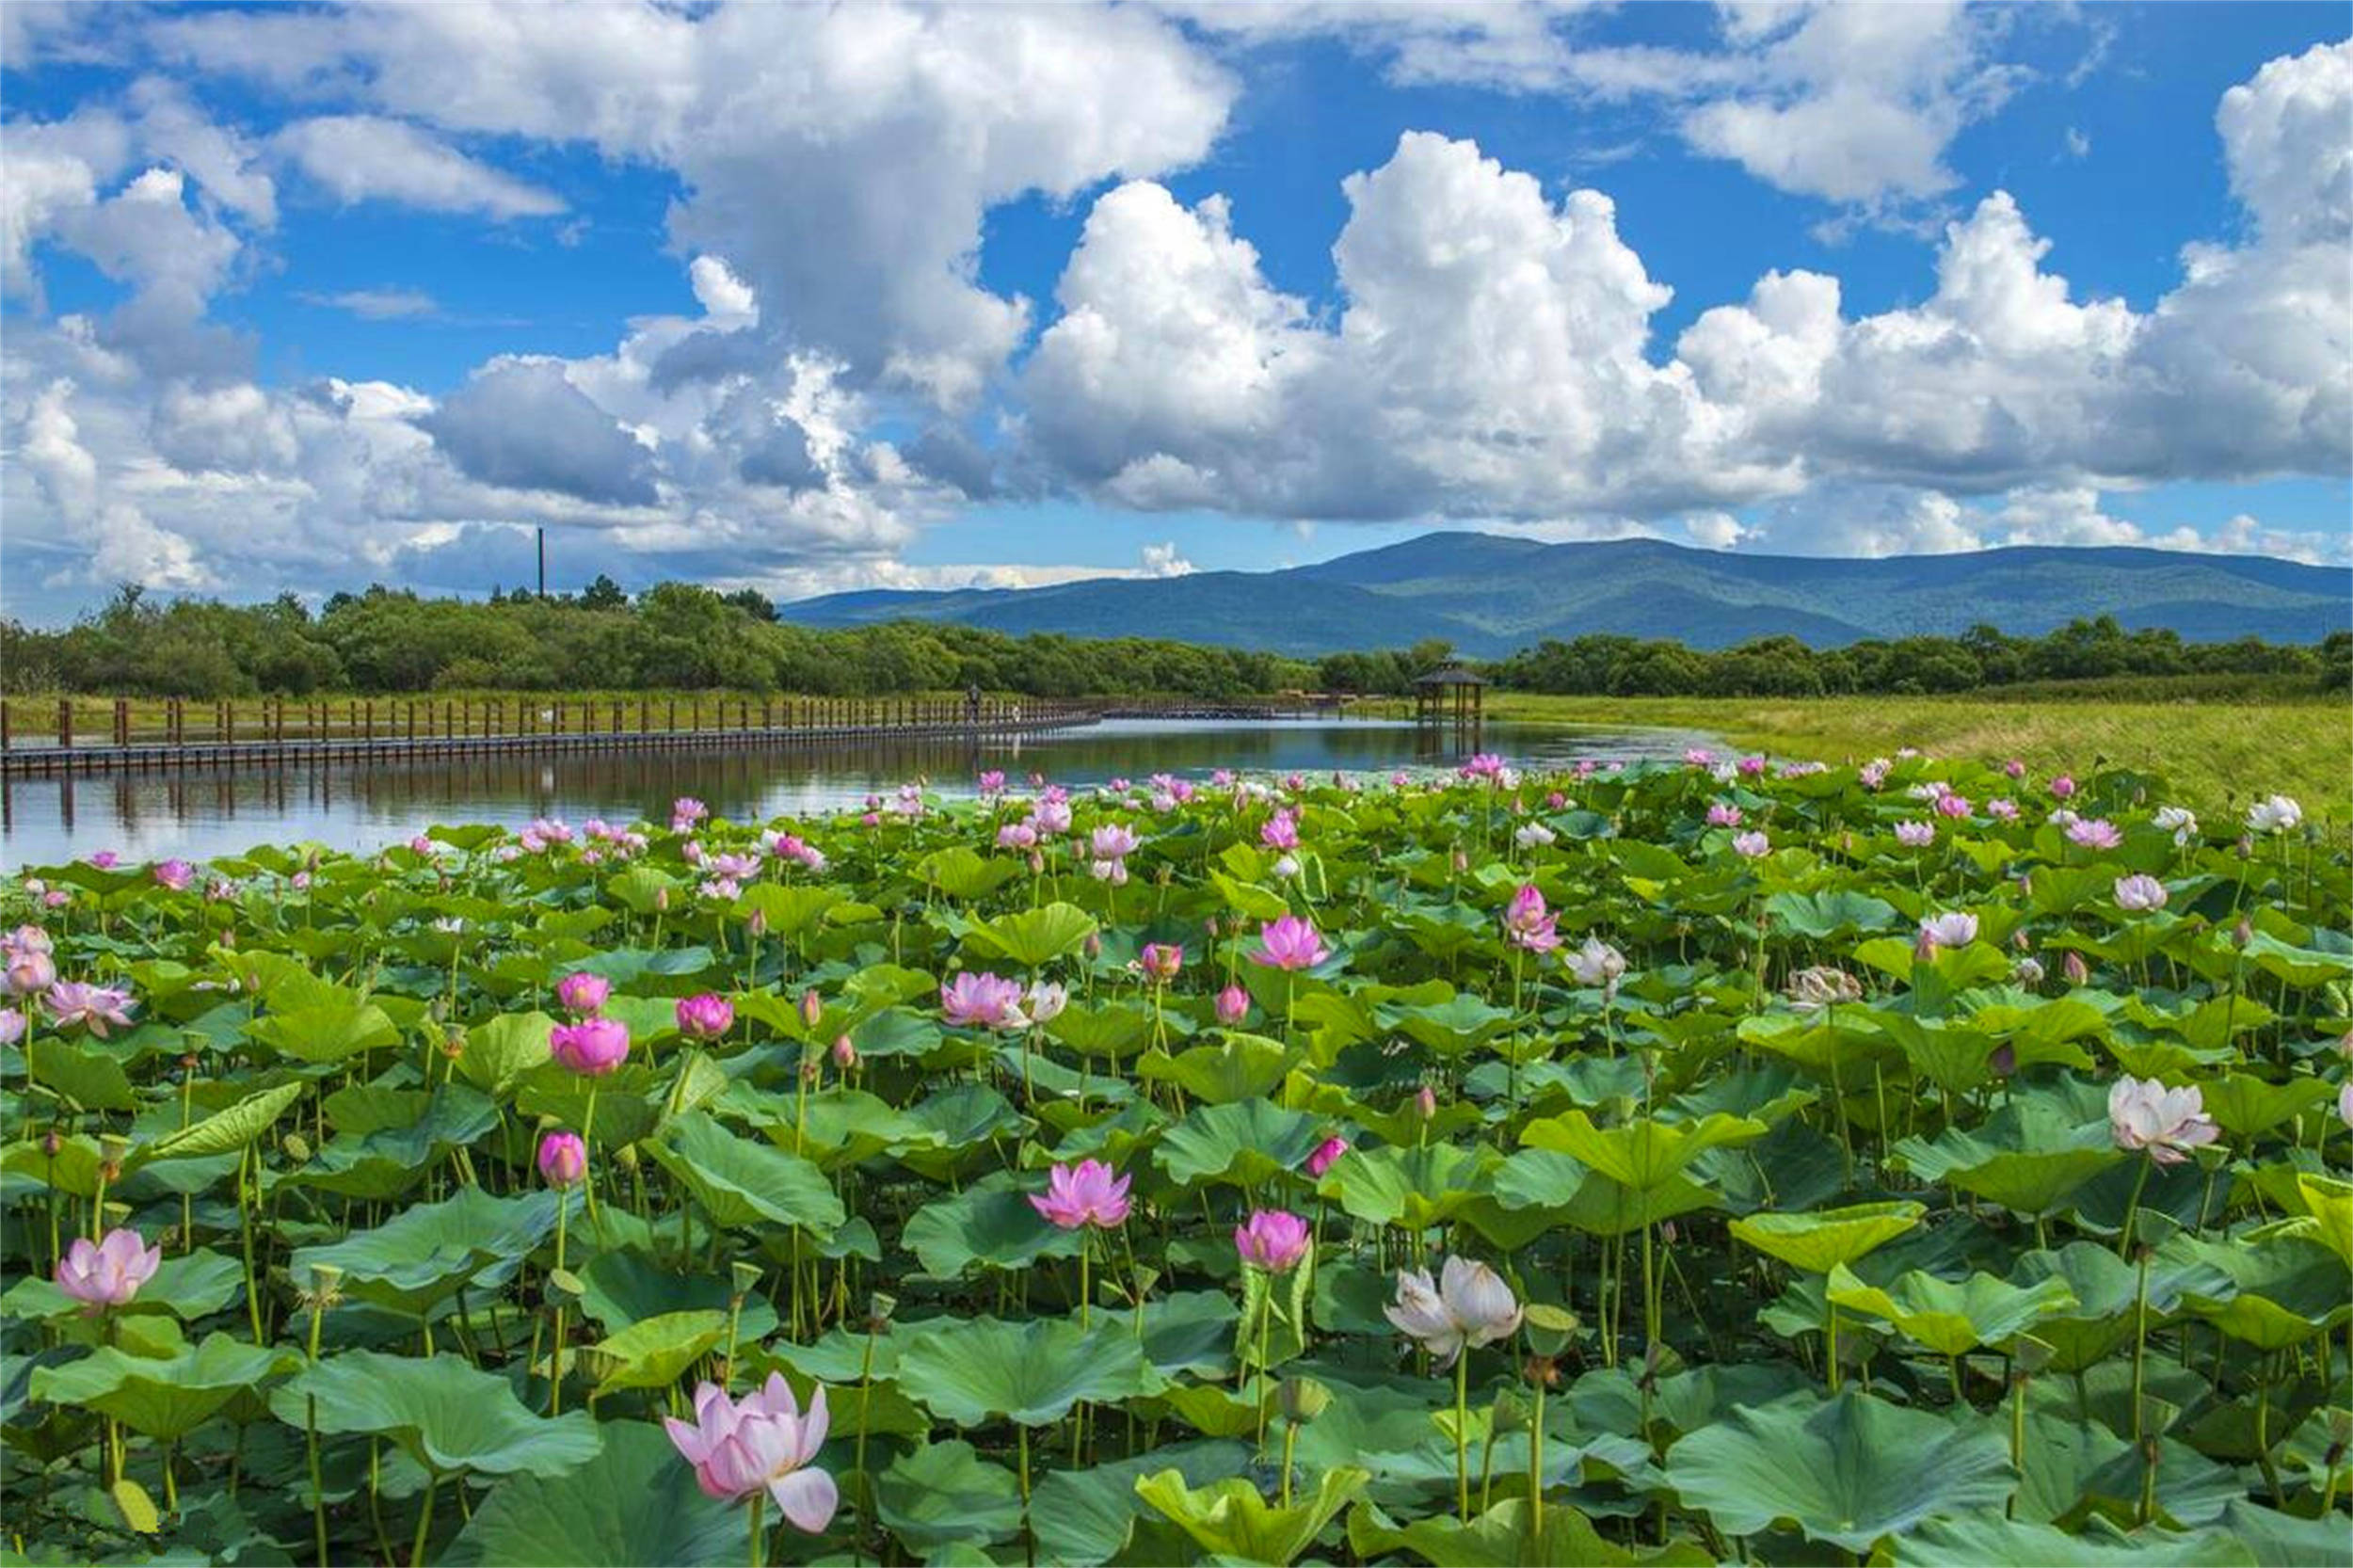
[(279, 735)]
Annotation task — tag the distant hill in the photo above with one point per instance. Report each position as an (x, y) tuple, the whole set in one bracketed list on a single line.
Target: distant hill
[(1489, 595)]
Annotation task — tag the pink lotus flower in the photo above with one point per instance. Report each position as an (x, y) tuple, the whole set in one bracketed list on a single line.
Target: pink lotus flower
[(1529, 923), (2063, 787), (2001, 809), (1233, 1005), (1113, 841), (1954, 929), (1752, 767), (1052, 818), (94, 1007), (685, 812), (26, 938), (992, 783), (1016, 834), (105, 859), (1750, 846), (1468, 1306), (1280, 831), (1915, 834), (738, 1446), (1272, 1239), (101, 1274), (2145, 1115), (1723, 814), (580, 993), (705, 1016), (2139, 893), (563, 1158), (30, 971), (1161, 961), (591, 1047), (1951, 805), (978, 1001), (1290, 944), (2094, 833), (1087, 1193), (1326, 1154), (1873, 774), (2015, 768), (175, 874)]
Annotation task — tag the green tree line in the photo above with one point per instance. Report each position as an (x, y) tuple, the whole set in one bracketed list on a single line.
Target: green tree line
[(679, 636)]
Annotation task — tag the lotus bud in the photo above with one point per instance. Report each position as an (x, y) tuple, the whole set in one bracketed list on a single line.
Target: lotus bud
[(1301, 1400), (757, 922), (2004, 1060), (812, 1007), (1461, 862), (1425, 1103), (1233, 1005), (662, 901), (844, 1053), (2073, 967), (2242, 933), (51, 1142), (1038, 866)]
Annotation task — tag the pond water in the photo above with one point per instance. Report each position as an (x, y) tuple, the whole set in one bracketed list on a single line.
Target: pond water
[(202, 812)]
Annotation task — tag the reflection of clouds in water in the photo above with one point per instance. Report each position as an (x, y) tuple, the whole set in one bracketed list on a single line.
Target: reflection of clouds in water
[(201, 814)]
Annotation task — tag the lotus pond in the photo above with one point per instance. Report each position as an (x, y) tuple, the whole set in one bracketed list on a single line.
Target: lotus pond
[(1920, 1164)]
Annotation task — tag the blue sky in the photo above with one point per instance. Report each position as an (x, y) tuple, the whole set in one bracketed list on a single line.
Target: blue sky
[(907, 296)]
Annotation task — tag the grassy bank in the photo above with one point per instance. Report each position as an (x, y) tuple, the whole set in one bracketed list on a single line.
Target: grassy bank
[(2214, 748)]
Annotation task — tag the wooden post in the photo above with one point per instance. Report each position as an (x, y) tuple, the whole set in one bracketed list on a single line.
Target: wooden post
[(65, 721), (370, 720), (122, 721)]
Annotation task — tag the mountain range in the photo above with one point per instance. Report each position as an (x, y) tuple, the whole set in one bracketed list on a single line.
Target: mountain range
[(1489, 595)]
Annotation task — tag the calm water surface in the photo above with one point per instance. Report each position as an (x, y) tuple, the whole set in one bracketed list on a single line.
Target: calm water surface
[(199, 813)]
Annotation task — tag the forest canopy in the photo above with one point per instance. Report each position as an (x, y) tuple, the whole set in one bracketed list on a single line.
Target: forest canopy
[(679, 636)]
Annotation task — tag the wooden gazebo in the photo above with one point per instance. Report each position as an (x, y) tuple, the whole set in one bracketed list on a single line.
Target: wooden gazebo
[(1450, 695)]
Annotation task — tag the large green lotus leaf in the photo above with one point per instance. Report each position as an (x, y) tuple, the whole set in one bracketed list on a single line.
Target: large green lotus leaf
[(974, 1371), (1246, 1143), (2286, 1287), (653, 1351), (2246, 1105), (944, 1491), (190, 1286), (838, 1127), (1844, 1040), (1822, 915), (1605, 1207), (224, 1132), (2106, 1288), (1230, 1518), (2330, 1202), (1951, 1318), (1239, 1067), (2297, 966), (393, 1160), (965, 1122), (1974, 1543), (331, 1031), (963, 872), (498, 1051), (1848, 1470), (87, 1076), (1415, 1187), (1461, 1023), (1033, 938), (1821, 1239), (430, 1250), (2282, 1540), (1640, 1154), (1112, 1028), (440, 1410), (1506, 1536), (1093, 1515), (626, 966), (790, 909), (1768, 1094), (163, 1398), (1190, 1331), (634, 1502), (623, 1286), (2030, 1156), (990, 1222), (739, 1182)]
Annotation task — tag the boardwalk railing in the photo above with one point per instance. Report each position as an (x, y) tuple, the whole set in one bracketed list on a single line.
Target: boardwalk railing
[(79, 734)]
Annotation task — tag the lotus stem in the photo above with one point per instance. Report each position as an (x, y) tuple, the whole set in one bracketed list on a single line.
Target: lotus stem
[(1461, 1433)]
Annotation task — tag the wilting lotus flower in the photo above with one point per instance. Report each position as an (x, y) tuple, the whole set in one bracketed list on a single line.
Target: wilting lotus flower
[(100, 1274), (1326, 1153), (95, 1007), (1087, 1193), (2180, 821), (1957, 929), (581, 993), (563, 1158), (591, 1047), (1272, 1239), (1751, 846), (1811, 990), (2139, 893), (982, 1001), (2274, 814), (1290, 944), (1046, 1001), (1233, 1005), (1468, 1306), (1161, 961), (1596, 962), (1915, 834), (2144, 1114), (2094, 833), (738, 1446), (705, 1016)]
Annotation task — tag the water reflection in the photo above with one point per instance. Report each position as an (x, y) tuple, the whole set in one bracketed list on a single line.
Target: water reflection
[(198, 813)]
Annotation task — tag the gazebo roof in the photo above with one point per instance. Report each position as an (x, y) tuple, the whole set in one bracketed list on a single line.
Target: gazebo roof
[(1454, 675)]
